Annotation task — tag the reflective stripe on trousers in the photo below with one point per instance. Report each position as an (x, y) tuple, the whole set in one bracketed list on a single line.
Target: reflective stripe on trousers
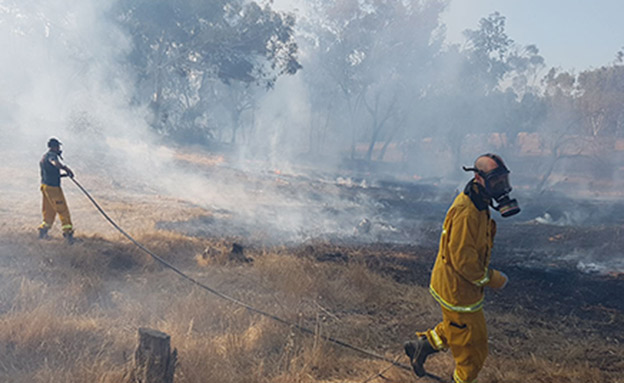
[(457, 379), (465, 335)]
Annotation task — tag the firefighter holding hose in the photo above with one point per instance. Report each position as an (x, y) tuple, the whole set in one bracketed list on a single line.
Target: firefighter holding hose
[(53, 198), (461, 272)]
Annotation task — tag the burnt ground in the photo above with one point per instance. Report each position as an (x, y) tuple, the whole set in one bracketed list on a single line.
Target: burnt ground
[(563, 256), (548, 293)]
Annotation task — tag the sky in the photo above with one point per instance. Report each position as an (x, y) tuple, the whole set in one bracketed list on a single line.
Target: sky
[(570, 34)]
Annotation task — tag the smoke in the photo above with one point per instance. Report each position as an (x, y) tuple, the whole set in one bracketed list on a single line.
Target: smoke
[(60, 59), (291, 177), (64, 76)]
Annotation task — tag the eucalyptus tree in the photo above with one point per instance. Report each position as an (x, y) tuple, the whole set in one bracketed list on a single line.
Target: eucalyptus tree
[(601, 96), (488, 85), (585, 119), (559, 134), (407, 37), (334, 43), (374, 52), (181, 46)]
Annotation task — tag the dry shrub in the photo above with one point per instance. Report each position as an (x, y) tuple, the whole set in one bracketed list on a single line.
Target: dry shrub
[(295, 277), (226, 344), (217, 253), (42, 339), (30, 295), (229, 356), (93, 256), (352, 286), (170, 245), (73, 318), (193, 314), (355, 286), (100, 370)]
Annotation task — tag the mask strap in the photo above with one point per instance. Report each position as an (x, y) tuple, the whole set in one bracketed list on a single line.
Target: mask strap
[(496, 159), (479, 172)]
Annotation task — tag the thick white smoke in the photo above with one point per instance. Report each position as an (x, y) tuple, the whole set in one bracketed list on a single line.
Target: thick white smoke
[(63, 76)]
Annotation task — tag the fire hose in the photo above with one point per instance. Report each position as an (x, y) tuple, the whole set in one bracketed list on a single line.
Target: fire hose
[(235, 301)]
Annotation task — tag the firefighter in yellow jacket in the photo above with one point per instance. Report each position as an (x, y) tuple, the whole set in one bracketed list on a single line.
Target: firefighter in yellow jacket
[(53, 198), (461, 272)]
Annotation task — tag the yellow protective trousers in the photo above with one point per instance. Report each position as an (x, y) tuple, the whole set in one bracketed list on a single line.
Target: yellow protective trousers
[(54, 203), (465, 334)]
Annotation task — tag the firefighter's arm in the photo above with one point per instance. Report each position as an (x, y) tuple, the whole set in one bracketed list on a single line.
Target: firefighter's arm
[(463, 250), (69, 172), (60, 166)]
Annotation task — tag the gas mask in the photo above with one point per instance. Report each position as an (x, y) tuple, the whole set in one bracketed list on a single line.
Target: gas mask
[(497, 187)]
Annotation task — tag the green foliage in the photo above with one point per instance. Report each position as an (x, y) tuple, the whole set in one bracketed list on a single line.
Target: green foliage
[(181, 46), (374, 71)]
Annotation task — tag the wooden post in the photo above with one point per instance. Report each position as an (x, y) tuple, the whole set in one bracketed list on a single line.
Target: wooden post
[(153, 360)]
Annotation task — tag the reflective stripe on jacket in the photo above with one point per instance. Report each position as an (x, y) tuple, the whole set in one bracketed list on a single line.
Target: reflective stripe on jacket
[(461, 268)]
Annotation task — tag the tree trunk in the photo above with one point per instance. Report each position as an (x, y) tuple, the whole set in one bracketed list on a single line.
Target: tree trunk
[(235, 124), (373, 141), (384, 148), (153, 360), (156, 101), (353, 132), (542, 184)]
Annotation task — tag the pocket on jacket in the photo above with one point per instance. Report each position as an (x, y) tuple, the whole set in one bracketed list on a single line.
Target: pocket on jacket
[(459, 326)]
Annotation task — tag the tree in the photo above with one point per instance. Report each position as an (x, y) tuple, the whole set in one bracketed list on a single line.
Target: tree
[(180, 45), (488, 49), (494, 89), (601, 96), (374, 51), (238, 98), (405, 45), (335, 26), (559, 135)]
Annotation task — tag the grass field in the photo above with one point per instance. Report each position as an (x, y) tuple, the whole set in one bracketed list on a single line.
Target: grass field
[(71, 314)]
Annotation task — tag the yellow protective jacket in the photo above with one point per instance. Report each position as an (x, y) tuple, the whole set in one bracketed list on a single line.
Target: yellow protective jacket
[(461, 270)]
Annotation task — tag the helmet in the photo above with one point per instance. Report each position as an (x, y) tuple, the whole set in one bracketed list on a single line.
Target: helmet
[(54, 143)]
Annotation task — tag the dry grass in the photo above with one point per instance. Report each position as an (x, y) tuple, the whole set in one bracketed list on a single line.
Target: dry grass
[(75, 311), (70, 314)]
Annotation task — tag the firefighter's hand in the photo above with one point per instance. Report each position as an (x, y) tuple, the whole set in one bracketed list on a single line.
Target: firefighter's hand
[(70, 174), (498, 280)]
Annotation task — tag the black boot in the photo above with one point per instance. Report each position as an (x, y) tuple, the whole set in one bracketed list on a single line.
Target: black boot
[(43, 233), (418, 351), (69, 237)]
